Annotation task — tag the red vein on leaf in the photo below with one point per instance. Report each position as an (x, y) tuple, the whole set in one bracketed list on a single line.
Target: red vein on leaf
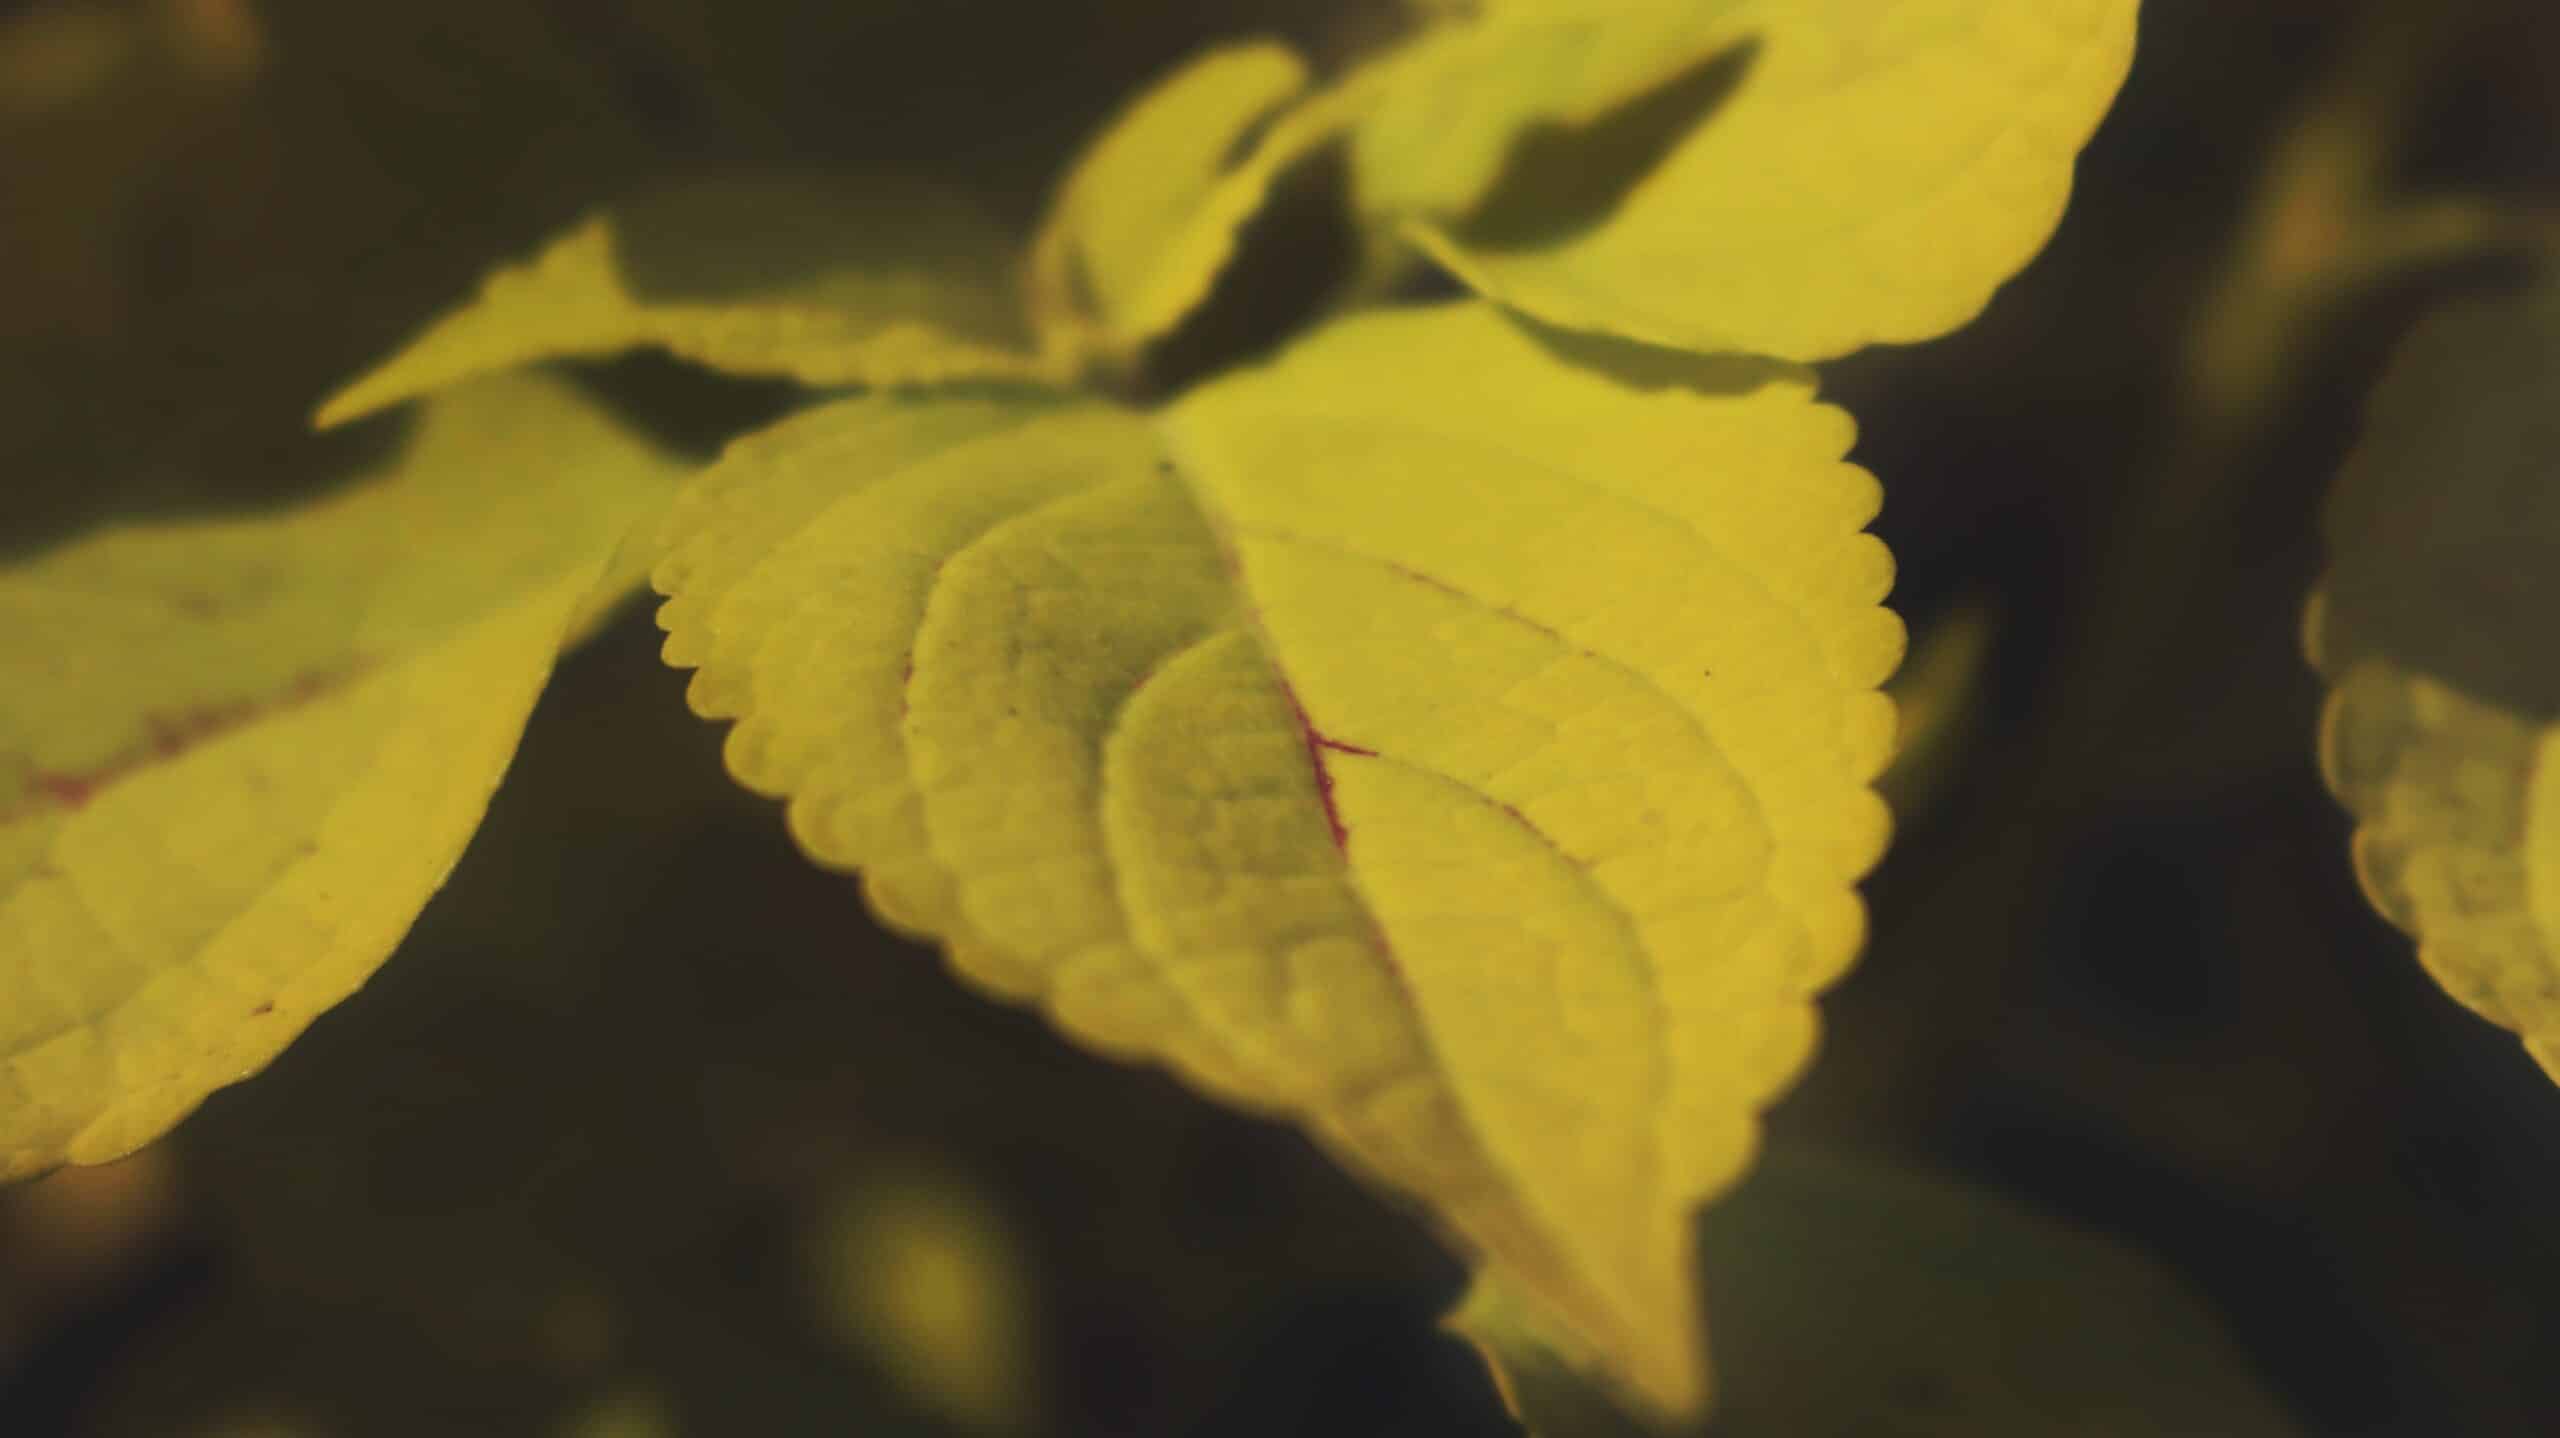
[(1318, 744), (167, 736)]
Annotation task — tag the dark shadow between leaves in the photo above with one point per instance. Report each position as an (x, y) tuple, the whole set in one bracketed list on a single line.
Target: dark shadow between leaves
[(1560, 180), (685, 408), (1290, 260), (1651, 367)]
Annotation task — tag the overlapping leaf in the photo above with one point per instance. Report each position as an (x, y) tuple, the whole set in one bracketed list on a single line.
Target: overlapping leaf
[(1785, 177), (238, 755), (1144, 222), (1459, 748), (2442, 729), (823, 282)]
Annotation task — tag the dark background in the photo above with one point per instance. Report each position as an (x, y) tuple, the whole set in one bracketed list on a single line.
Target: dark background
[(574, 1138)]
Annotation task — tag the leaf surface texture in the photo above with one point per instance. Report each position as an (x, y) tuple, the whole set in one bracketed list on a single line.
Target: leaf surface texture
[(822, 281), (240, 754), (2432, 628), (1459, 747)]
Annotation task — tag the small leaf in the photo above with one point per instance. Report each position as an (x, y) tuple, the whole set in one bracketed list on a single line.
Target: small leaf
[(2442, 728), (1459, 748), (1148, 217), (830, 284), (1852, 1296), (1811, 177), (239, 754)]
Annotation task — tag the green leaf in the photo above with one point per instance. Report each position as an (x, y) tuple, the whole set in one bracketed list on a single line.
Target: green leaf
[(239, 754), (1852, 1296), (2442, 727), (828, 283), (1787, 177), (1149, 215), (1455, 739)]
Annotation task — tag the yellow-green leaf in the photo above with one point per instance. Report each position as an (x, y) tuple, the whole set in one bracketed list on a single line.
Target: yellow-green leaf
[(1860, 171), (1149, 215), (820, 281), (1852, 1296), (2433, 630), (1458, 747), (239, 754)]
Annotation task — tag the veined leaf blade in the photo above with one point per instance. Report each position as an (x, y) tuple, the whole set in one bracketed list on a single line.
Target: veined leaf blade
[(1461, 750), (240, 754)]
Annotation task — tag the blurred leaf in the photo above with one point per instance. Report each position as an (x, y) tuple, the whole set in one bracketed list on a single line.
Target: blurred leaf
[(1289, 748), (825, 282), (1935, 696), (1805, 177), (240, 754), (1149, 215), (2432, 628), (920, 1271), (623, 1413), (1852, 1296), (98, 103)]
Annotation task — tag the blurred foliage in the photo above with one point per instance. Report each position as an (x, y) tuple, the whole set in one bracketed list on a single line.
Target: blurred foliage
[(2442, 730), (562, 1167), (1970, 1315)]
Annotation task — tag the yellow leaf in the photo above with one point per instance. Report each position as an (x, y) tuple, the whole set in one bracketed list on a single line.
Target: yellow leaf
[(1857, 1297), (1432, 735), (2432, 628), (1858, 172), (879, 283), (239, 754), (1149, 215)]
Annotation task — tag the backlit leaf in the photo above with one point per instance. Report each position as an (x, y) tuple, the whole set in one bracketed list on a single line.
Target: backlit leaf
[(1787, 177), (1149, 215), (1434, 735), (812, 280), (1852, 1296), (239, 754), (2433, 629)]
